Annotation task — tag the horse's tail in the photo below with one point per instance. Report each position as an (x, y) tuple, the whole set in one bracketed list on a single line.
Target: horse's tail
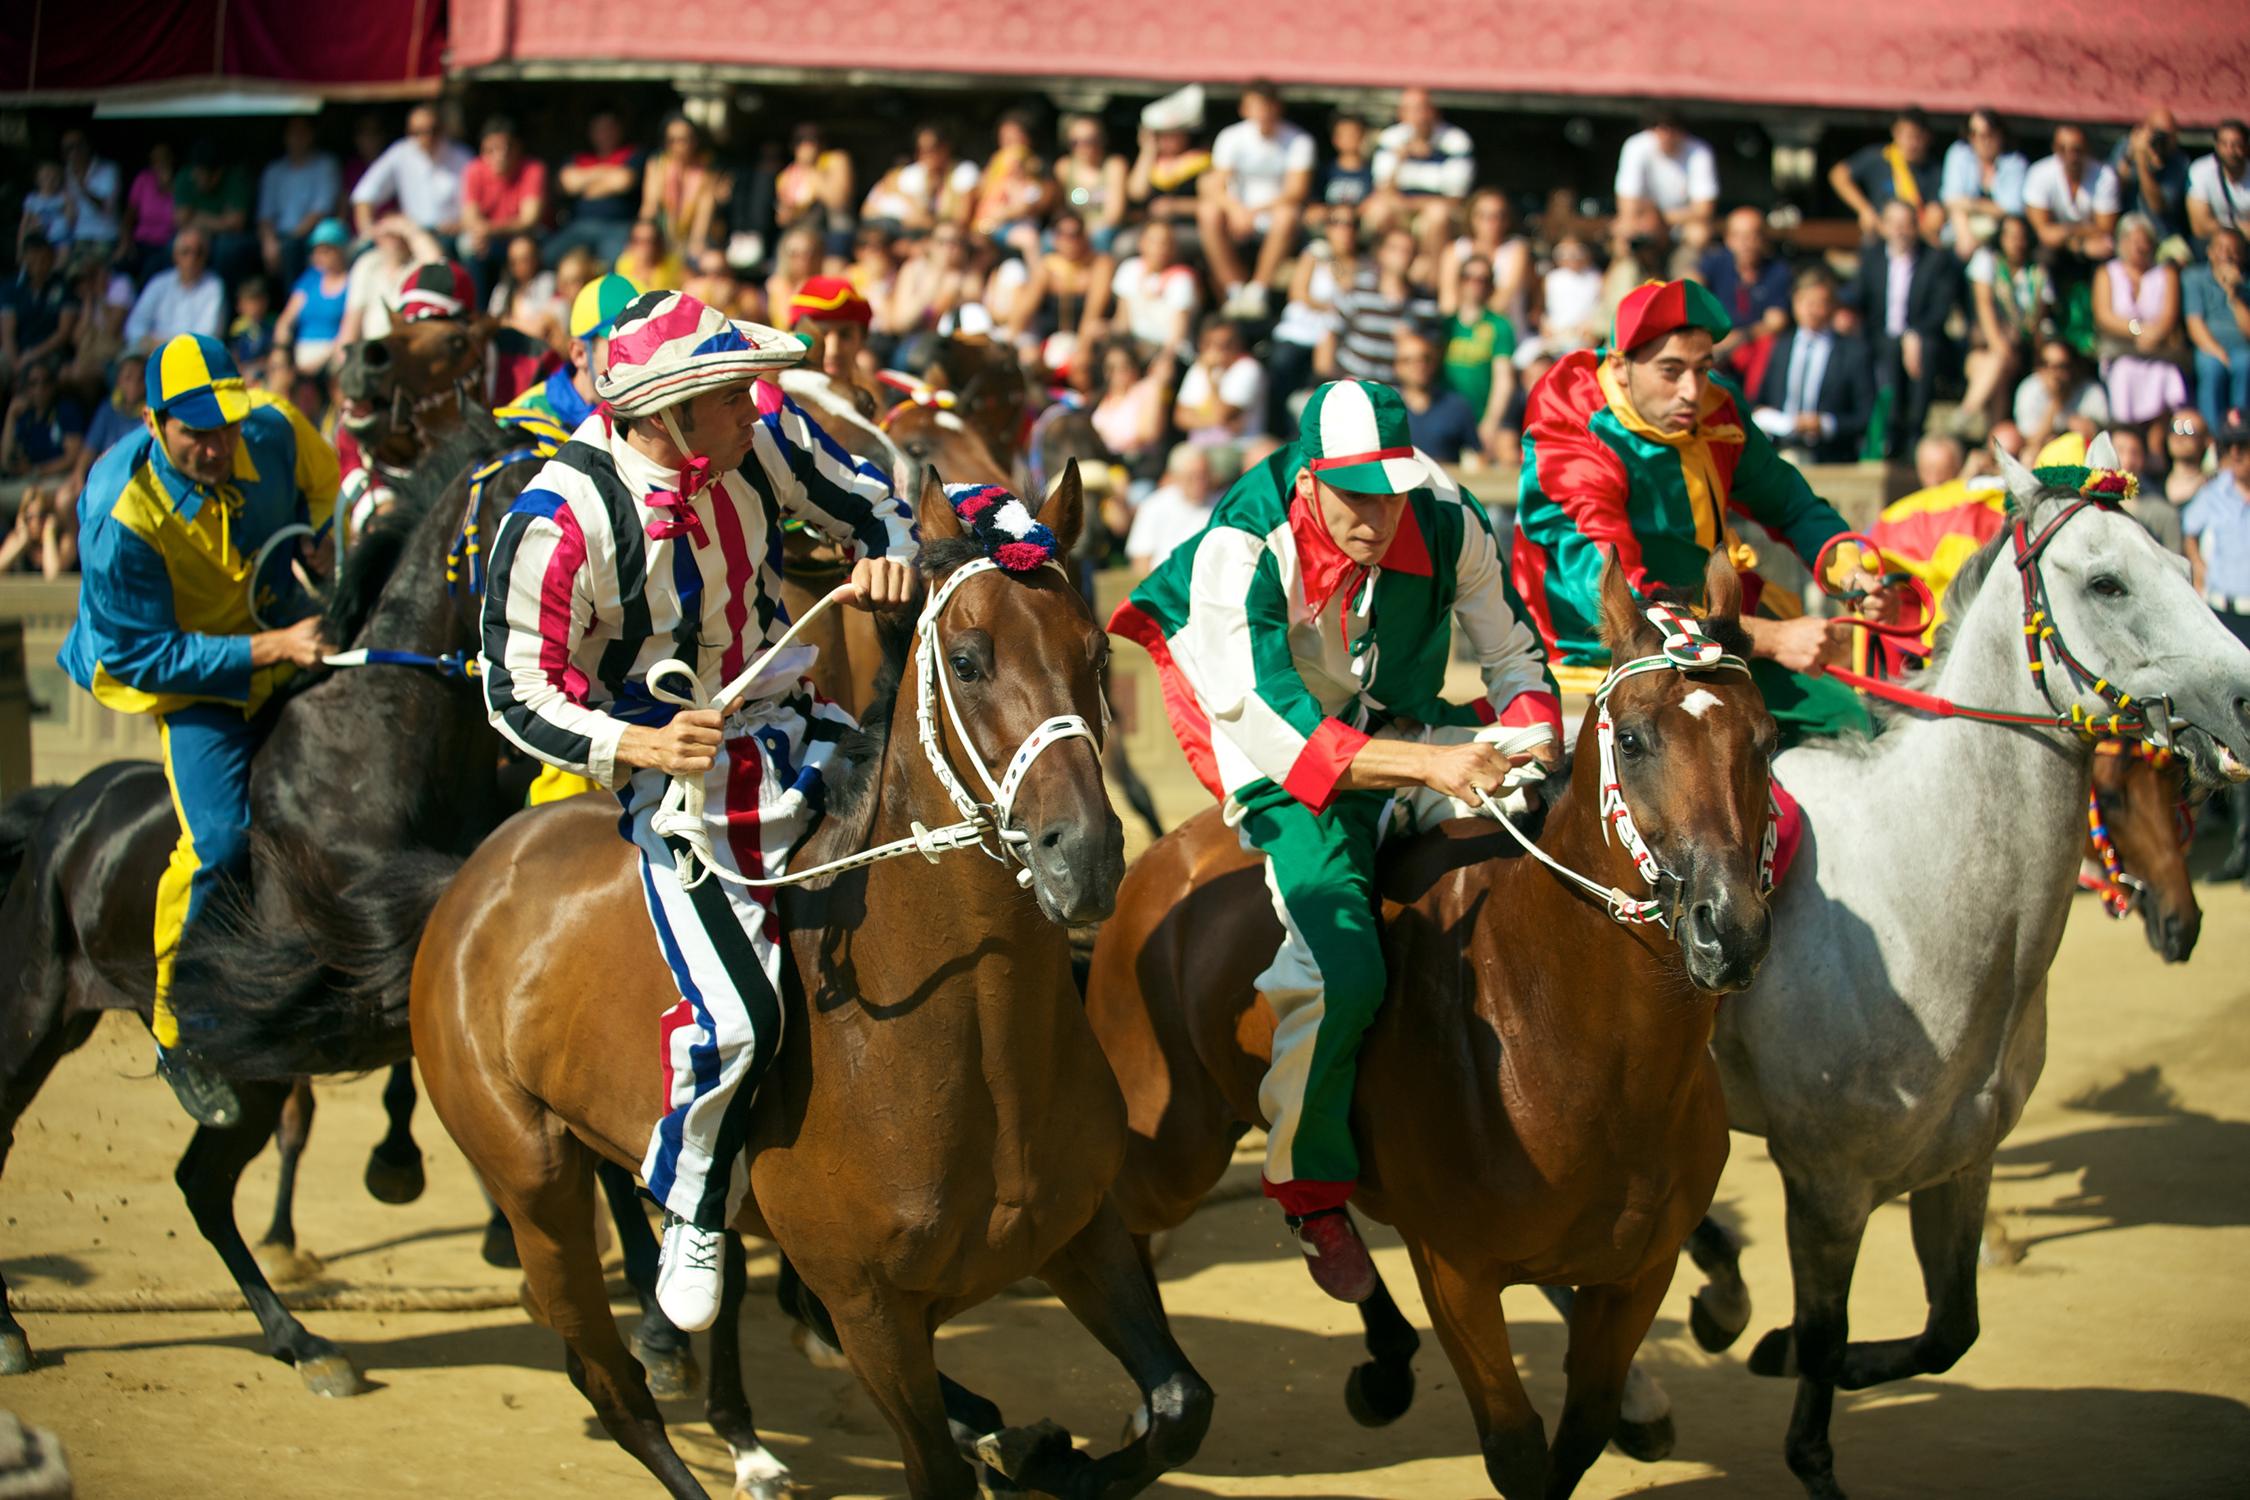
[(19, 820), (321, 987)]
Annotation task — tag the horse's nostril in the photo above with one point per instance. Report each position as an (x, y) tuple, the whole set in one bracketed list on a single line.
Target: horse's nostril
[(374, 354), (1703, 922), (1051, 839)]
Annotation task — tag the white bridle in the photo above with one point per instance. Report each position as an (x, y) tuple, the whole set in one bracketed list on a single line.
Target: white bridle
[(1685, 649), (680, 814)]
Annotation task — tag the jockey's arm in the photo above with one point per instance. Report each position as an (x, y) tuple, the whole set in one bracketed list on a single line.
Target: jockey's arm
[(1518, 687), (843, 498), (1776, 495), (538, 603), (125, 599)]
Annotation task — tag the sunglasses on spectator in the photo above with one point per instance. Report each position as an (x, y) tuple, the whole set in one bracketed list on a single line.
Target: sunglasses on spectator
[(2187, 427)]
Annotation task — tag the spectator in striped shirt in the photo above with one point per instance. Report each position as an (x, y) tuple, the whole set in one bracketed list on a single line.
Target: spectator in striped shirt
[(1382, 301)]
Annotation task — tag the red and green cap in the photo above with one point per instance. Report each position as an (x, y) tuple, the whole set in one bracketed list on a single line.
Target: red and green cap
[(1354, 436), (1656, 308)]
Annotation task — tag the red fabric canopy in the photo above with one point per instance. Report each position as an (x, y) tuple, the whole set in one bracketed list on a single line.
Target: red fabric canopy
[(2076, 59), (50, 47)]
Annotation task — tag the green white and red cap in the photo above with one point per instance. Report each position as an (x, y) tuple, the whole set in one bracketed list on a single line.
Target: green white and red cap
[(1354, 436)]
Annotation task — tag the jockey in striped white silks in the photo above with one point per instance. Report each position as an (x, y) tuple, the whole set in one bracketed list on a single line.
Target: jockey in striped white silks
[(655, 532)]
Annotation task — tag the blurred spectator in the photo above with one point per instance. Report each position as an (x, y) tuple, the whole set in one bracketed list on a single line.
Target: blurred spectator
[(1424, 168), (874, 270), (1154, 294), (1642, 260), (935, 281), (1175, 512), (1667, 184), (1938, 459), (678, 193), (92, 184), (649, 262), (2218, 185), (1904, 169), (2187, 446), (1168, 170), (1135, 403), (2149, 507), (2012, 306), (815, 187), (1534, 358), (1492, 237), (186, 299), (1982, 180), (2152, 173), (1328, 265), (104, 294), (2137, 318), (1090, 179), (602, 188), (39, 316), (370, 290), (1261, 175), (2057, 396), (46, 209), (1222, 396), (369, 141), (296, 192), (1480, 353), (1058, 298), (215, 197), (935, 187), (1347, 177), (1015, 190), (422, 172), (2071, 199), (43, 432), (2217, 525), (117, 417), (44, 537), (250, 332), (524, 297), (1571, 297), (2217, 308), (503, 194), (714, 283), (1381, 303), (1818, 393), (1442, 424), (795, 261), (148, 212), (1752, 284), (312, 319), (1907, 291)]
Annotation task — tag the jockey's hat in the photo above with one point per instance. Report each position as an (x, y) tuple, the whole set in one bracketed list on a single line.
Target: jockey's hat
[(593, 312), (829, 299), (435, 289), (1656, 308), (1354, 437), (668, 346), (193, 380)]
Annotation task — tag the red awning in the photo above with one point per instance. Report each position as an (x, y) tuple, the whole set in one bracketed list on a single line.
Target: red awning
[(69, 48), (2032, 57)]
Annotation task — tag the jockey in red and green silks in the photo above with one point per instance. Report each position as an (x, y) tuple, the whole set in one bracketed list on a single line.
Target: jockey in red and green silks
[(1303, 639), (1639, 449)]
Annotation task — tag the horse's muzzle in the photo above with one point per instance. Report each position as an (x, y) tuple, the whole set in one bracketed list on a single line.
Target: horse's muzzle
[(1076, 866), (1724, 928)]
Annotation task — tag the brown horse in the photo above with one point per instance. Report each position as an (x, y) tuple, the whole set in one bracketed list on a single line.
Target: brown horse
[(1536, 1100), (398, 394), (971, 429), (2140, 806), (939, 1121)]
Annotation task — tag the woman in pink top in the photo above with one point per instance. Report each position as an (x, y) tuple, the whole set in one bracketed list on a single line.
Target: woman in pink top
[(1135, 401), (148, 213), (2137, 316)]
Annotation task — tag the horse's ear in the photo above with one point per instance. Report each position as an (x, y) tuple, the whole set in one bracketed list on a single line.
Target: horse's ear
[(2101, 453), (2023, 485), (1722, 589), (1622, 620), (1064, 509), (935, 514)]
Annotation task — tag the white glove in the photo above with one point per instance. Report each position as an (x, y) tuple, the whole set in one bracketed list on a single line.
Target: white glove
[(1519, 790)]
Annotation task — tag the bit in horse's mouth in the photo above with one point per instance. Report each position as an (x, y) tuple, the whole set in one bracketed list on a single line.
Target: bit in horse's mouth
[(357, 414)]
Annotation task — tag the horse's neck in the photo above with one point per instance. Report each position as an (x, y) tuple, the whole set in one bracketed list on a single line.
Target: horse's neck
[(417, 609)]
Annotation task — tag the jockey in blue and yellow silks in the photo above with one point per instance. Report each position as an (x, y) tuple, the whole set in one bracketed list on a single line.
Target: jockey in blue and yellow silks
[(170, 528)]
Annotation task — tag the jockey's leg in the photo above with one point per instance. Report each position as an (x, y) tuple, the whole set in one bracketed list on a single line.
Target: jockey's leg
[(1809, 707)]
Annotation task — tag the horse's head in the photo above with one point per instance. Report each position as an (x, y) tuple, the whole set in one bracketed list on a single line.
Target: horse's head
[(2141, 800), (399, 391), (989, 391), (1693, 750), (2123, 608), (1019, 649)]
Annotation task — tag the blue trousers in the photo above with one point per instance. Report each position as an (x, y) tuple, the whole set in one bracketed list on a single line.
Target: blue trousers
[(208, 748), (2219, 388)]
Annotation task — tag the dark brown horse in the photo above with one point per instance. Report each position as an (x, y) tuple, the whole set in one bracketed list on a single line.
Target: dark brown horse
[(397, 395), (939, 1121), (970, 427), (1536, 1100), (2140, 807)]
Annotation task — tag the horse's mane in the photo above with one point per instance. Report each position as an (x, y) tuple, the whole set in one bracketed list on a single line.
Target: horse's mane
[(375, 552)]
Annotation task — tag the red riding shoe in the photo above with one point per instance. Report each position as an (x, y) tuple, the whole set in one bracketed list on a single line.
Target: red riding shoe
[(1335, 1254)]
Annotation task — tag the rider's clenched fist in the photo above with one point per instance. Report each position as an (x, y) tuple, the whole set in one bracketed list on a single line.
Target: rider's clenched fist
[(685, 747)]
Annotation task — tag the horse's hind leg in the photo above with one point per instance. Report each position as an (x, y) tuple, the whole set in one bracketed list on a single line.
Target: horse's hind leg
[(1379, 1391), (667, 1354), (1948, 1229), (1607, 1324), (1721, 1310), (277, 1253), (758, 1475), (1644, 1413), (1824, 1240), (394, 1167), (207, 1176)]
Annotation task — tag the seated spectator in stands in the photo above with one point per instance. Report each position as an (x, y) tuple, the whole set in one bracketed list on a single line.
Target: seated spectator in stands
[(373, 276), (1981, 182), (1667, 183), (2187, 451), (1571, 298), (186, 299), (423, 172), (2056, 397), (2149, 507), (105, 295), (46, 209), (250, 332), (369, 141), (714, 283), (936, 187), (44, 536), (215, 197), (1054, 309), (2152, 173), (1327, 266), (43, 432), (39, 313), (1174, 512), (1907, 289), (1905, 168), (312, 320), (796, 260), (1492, 238), (2012, 303), (601, 191), (1643, 260), (2137, 318), (649, 262), (1222, 397), (937, 280), (503, 194), (679, 191), (1818, 391), (1939, 459), (1752, 284), (1381, 302), (1167, 175), (815, 187), (1347, 177), (297, 191), (119, 416), (526, 301), (2217, 527), (1534, 358), (1134, 408), (2218, 185), (1015, 191), (1480, 353), (1153, 294), (148, 213), (2071, 199), (1424, 169), (1261, 175), (1441, 422), (95, 201), (2216, 304), (1090, 179), (874, 270)]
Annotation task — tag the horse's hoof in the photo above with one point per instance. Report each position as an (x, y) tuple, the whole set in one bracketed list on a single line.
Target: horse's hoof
[(673, 1374), (1012, 1451), (330, 1375), (818, 1352), (395, 1181), (286, 1264), (15, 1353), (1378, 1394), (500, 1246), (1646, 1441), (758, 1475), (1776, 1354), (1711, 1335)]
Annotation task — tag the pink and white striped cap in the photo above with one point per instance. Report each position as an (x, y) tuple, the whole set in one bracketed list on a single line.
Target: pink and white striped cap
[(667, 346)]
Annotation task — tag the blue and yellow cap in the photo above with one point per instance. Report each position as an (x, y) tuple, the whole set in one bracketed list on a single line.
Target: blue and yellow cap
[(193, 380), (598, 303)]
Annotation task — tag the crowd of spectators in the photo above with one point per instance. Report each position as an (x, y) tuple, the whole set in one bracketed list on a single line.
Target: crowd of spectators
[(1188, 287)]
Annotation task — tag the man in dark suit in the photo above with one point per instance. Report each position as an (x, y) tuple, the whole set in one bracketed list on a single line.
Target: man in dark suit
[(1906, 290), (1819, 386)]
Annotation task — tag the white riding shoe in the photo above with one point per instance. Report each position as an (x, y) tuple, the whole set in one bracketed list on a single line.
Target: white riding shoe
[(687, 1274)]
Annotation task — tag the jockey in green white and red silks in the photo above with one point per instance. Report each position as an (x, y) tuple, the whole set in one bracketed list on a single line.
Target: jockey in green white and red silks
[(1280, 658)]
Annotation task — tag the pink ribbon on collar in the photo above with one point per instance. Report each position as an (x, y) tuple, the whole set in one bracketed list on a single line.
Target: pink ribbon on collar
[(695, 476)]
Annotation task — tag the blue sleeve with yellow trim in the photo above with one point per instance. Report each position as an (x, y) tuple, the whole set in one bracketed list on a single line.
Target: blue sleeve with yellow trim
[(132, 637)]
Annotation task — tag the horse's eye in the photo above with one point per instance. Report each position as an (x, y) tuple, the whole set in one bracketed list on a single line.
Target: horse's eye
[(1629, 742), (964, 666), (459, 344), (2109, 586)]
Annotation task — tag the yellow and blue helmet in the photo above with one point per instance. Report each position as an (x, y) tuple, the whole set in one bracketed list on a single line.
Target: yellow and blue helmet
[(193, 380)]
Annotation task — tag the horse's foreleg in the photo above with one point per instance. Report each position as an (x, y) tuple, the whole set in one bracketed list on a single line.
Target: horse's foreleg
[(207, 1175), (1644, 1416), (277, 1252), (1824, 1239), (667, 1354), (758, 1475), (1464, 1305), (886, 1336), (1607, 1324), (1721, 1310), (1379, 1391), (1948, 1231), (394, 1167)]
